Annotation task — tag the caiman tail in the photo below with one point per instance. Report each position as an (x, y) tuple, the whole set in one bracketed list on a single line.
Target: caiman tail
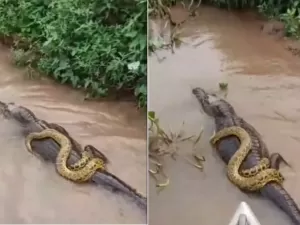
[(277, 194), (120, 185)]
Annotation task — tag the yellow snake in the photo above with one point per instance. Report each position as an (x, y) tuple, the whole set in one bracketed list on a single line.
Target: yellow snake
[(86, 154), (255, 182), (80, 175), (263, 164)]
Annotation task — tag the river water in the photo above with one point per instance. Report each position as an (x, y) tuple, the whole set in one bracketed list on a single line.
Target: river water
[(31, 191), (264, 88)]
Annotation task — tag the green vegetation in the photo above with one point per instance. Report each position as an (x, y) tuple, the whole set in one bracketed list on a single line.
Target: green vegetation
[(288, 13), (100, 46)]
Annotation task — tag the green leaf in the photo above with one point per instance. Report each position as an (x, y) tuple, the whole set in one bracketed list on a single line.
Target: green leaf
[(151, 115)]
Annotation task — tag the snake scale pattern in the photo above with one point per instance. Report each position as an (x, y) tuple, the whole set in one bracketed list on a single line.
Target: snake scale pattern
[(263, 164), (81, 174), (260, 178), (86, 154)]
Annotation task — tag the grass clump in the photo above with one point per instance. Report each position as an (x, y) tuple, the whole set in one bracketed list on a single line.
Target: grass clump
[(98, 46), (161, 144)]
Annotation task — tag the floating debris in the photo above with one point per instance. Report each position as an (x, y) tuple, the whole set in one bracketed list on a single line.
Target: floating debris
[(161, 144), (223, 86)]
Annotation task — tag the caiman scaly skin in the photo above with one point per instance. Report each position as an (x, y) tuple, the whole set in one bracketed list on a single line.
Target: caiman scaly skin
[(260, 178), (48, 150), (224, 116)]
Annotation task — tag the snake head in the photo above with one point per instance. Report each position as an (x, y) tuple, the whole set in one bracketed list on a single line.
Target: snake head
[(212, 104)]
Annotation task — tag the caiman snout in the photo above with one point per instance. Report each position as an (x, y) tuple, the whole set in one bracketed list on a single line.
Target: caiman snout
[(206, 100), (200, 92), (4, 109), (3, 106)]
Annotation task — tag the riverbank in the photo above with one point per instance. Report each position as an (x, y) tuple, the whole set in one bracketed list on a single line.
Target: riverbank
[(100, 48)]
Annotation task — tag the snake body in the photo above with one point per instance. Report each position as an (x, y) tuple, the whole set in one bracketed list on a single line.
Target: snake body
[(82, 174), (255, 182), (86, 154), (85, 158), (263, 164)]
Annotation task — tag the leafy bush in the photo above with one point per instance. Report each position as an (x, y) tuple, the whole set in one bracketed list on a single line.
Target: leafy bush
[(285, 11), (100, 46), (292, 20)]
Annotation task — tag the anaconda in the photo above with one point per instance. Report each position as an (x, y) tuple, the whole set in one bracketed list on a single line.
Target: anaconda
[(75, 145), (81, 175), (224, 115), (86, 154), (263, 164), (253, 183)]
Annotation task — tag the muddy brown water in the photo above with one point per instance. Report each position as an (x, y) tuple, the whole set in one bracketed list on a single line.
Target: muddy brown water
[(264, 88), (31, 191)]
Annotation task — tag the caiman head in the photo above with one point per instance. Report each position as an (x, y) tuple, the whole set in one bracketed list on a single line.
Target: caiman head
[(20, 114), (213, 105), (3, 108), (7, 109)]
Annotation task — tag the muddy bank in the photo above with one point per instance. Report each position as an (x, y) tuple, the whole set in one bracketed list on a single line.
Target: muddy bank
[(264, 86), (31, 191)]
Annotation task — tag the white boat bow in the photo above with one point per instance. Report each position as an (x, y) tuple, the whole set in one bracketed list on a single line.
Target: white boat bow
[(244, 216)]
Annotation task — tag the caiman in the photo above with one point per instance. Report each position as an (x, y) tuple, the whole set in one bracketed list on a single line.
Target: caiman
[(225, 116), (30, 117), (48, 150)]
